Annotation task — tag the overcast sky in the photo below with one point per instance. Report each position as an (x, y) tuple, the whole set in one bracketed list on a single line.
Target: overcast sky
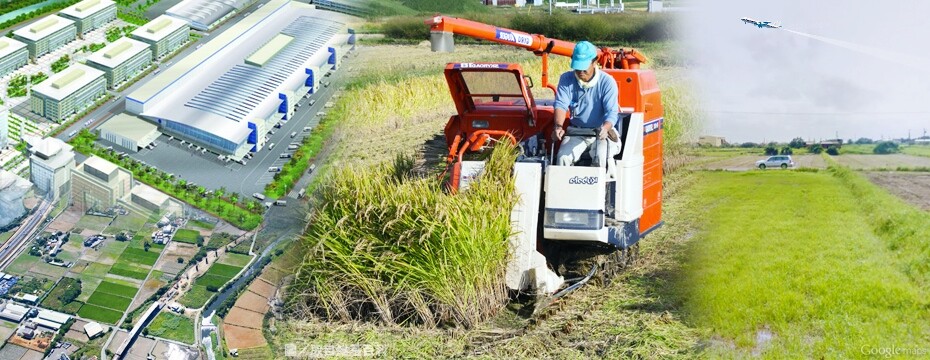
[(767, 84)]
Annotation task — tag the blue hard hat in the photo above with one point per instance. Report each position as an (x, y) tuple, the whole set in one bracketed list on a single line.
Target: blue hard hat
[(583, 55)]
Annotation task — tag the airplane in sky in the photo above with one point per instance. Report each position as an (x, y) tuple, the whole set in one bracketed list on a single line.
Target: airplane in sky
[(760, 24)]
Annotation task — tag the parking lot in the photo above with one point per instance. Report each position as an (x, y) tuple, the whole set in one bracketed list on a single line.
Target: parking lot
[(207, 170)]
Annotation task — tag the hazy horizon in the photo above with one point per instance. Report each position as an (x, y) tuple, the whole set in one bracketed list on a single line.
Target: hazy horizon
[(858, 73)]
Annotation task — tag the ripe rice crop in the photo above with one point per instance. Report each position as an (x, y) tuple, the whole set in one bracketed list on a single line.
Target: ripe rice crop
[(387, 244)]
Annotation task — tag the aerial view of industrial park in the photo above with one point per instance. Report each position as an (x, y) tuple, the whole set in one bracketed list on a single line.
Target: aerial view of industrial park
[(447, 179)]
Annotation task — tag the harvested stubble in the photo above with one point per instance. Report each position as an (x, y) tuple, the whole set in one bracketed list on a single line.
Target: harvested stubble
[(387, 244)]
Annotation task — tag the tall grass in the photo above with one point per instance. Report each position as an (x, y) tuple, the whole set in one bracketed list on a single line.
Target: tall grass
[(390, 245), (610, 30)]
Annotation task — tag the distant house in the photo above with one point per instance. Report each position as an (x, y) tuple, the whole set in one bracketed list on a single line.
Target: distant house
[(715, 141), (831, 142)]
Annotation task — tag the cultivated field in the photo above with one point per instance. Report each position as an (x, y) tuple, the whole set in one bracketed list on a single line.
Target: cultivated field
[(173, 327), (891, 161), (913, 187)]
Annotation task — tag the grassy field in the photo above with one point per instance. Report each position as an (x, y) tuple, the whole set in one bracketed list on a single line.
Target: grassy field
[(919, 150), (797, 275), (233, 259), (53, 300), (187, 236), (173, 327), (196, 297)]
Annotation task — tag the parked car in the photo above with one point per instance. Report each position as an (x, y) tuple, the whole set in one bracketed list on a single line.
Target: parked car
[(782, 161), (285, 156)]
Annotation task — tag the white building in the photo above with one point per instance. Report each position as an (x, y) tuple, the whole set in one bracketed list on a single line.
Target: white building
[(205, 14), (46, 35), (4, 127), (68, 92), (129, 132), (51, 161), (93, 330), (13, 312), (121, 60), (13, 55), (89, 15), (164, 34), (51, 319), (12, 190)]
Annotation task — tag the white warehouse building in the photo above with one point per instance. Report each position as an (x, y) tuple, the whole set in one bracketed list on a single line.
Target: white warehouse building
[(226, 95)]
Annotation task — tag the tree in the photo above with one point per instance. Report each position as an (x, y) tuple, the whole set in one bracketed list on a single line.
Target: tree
[(797, 143), (786, 150), (816, 149), (122, 237), (886, 147), (833, 150), (180, 260), (771, 150), (864, 141), (748, 145), (146, 246)]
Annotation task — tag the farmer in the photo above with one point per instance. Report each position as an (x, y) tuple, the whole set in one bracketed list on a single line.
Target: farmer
[(591, 97)]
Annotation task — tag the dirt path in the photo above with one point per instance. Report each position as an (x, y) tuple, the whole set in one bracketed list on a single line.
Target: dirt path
[(913, 187)]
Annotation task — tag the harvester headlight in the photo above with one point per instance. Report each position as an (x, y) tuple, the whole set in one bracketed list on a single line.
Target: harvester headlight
[(574, 219), (480, 124)]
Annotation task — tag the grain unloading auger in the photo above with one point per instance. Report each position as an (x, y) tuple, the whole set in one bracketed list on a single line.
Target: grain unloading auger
[(568, 215)]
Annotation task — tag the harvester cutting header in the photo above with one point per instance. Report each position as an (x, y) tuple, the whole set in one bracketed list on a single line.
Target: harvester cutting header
[(573, 208)]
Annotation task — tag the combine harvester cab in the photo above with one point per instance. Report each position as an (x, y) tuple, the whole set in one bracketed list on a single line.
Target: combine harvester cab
[(565, 213)]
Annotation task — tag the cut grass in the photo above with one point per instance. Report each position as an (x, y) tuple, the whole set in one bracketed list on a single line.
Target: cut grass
[(101, 314), (791, 255), (173, 327), (187, 236)]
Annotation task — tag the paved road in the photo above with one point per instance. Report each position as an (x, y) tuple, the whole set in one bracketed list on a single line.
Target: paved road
[(22, 237)]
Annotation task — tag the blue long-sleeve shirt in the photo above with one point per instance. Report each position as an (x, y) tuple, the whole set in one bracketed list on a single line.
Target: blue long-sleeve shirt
[(589, 108)]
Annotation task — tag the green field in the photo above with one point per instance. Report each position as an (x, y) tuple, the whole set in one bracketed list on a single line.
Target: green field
[(919, 150), (111, 301), (233, 259), (197, 297), (139, 256), (797, 275), (113, 288), (129, 270), (202, 224), (223, 270), (22, 264), (104, 315), (187, 236), (173, 327)]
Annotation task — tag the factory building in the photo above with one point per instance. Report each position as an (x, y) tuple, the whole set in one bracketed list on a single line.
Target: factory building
[(226, 95), (129, 132), (68, 92), (50, 164), (89, 15), (121, 60), (13, 55), (46, 35), (98, 184), (203, 15), (164, 34)]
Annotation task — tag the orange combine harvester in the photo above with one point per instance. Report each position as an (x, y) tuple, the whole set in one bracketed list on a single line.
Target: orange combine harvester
[(567, 214)]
